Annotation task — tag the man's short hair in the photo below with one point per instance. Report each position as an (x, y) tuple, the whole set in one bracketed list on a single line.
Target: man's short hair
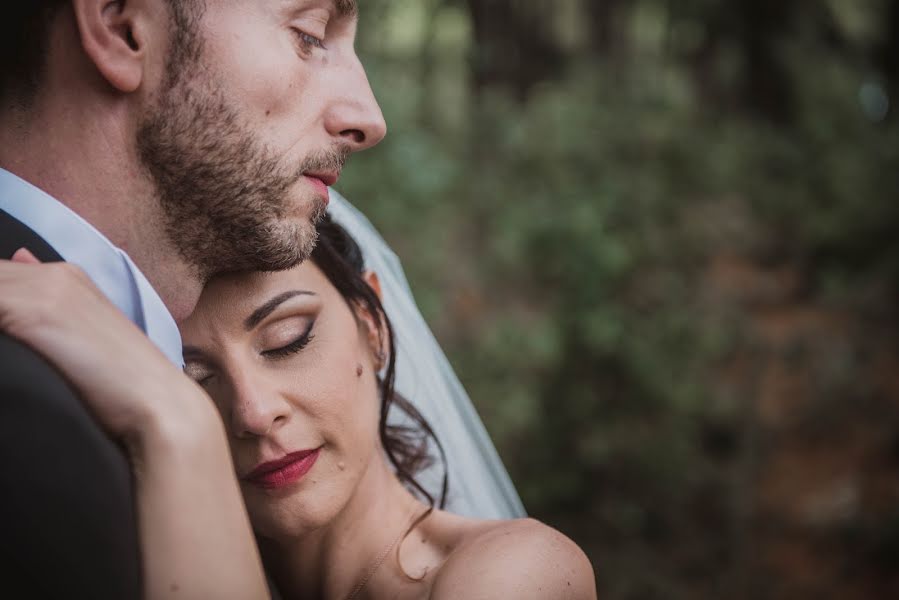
[(24, 32), (24, 40)]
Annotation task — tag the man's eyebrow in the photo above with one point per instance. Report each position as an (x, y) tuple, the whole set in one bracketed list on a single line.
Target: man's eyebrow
[(266, 309), (346, 8)]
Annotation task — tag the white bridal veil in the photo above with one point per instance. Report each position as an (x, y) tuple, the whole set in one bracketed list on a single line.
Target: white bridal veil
[(479, 485)]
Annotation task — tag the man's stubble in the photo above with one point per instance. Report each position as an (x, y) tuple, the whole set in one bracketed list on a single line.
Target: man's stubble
[(225, 197)]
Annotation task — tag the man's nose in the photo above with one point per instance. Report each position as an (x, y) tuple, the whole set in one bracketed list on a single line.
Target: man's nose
[(354, 115)]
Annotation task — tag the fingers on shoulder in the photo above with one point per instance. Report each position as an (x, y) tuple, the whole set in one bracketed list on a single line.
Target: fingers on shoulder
[(50, 283), (35, 295), (46, 277), (66, 276), (518, 559)]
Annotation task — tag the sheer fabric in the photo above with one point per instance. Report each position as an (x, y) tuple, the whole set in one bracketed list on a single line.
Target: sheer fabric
[(479, 485)]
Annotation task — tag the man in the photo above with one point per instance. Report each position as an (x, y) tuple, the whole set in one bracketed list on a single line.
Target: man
[(154, 143)]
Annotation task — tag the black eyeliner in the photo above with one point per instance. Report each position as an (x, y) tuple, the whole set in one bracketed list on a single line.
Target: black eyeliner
[(294, 346)]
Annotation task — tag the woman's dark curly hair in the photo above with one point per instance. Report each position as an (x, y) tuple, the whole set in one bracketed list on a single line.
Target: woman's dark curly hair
[(339, 257)]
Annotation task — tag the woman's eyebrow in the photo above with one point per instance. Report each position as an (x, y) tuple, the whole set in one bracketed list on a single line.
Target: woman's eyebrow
[(267, 308)]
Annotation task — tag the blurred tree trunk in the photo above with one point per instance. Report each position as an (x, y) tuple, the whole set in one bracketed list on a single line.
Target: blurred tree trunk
[(766, 88), (889, 54), (427, 63), (703, 64), (756, 29), (608, 31), (514, 44)]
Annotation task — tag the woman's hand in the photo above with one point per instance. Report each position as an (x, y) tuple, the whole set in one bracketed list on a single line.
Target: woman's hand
[(196, 540), (128, 384)]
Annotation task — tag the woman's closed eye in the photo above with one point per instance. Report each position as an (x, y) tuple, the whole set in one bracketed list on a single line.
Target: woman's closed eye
[(293, 347), (198, 372)]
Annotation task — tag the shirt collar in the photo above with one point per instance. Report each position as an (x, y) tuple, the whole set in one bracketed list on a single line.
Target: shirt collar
[(108, 266)]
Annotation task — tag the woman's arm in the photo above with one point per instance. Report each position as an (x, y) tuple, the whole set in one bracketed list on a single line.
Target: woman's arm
[(195, 535), (196, 539)]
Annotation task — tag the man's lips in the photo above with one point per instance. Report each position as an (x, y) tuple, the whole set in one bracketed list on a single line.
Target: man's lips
[(283, 471), (326, 178), (320, 183)]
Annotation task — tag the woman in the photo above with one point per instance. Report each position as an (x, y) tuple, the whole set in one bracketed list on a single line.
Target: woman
[(292, 362)]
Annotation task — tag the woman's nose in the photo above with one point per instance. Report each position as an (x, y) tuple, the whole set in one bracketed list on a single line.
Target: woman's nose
[(257, 409)]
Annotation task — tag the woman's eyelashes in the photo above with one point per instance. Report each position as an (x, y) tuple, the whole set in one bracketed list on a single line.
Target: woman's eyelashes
[(294, 346), (200, 374)]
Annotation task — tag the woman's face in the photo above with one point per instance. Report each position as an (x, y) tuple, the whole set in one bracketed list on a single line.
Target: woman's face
[(292, 373)]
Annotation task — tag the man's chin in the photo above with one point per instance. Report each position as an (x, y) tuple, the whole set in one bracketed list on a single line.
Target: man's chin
[(301, 235), (277, 244), (296, 247), (307, 202)]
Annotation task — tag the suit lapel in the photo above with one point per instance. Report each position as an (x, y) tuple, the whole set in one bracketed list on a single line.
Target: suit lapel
[(14, 234)]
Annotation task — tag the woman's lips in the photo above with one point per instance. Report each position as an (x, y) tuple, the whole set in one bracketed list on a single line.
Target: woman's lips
[(284, 471)]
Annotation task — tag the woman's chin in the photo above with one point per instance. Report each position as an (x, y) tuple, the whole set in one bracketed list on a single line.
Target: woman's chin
[(288, 518), (280, 527)]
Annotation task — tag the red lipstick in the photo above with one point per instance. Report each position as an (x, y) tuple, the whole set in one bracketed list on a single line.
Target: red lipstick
[(283, 471)]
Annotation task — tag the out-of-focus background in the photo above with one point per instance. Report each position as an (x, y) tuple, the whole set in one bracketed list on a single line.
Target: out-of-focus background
[(659, 241)]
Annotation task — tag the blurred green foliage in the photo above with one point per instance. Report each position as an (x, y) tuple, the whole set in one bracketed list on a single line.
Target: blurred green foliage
[(558, 225)]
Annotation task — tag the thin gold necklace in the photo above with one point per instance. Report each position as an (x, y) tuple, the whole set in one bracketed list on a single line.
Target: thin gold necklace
[(385, 553)]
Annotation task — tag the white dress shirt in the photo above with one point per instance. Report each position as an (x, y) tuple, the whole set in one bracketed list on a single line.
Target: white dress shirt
[(109, 267)]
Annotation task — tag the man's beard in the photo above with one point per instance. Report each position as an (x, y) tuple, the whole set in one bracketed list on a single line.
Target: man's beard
[(225, 198)]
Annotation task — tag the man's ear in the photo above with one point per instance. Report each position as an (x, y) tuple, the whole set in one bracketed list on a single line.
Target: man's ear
[(371, 278), (114, 35)]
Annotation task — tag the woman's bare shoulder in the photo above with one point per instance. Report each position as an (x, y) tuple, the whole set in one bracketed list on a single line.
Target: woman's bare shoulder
[(521, 558)]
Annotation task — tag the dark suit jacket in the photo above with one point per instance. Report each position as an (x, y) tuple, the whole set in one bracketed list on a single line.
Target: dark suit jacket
[(69, 527)]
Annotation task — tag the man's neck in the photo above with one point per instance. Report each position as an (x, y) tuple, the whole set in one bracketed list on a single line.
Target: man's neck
[(89, 163)]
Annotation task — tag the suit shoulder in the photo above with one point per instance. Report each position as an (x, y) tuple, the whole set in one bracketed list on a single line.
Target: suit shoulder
[(521, 558), (25, 372), (68, 485)]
